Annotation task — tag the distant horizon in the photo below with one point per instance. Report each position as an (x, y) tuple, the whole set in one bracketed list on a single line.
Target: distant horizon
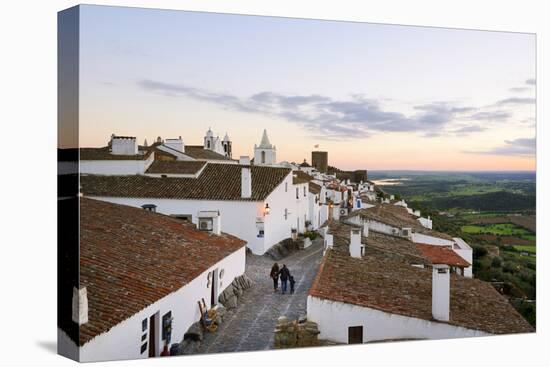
[(372, 95)]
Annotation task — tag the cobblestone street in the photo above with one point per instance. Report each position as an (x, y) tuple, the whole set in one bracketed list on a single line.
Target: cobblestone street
[(250, 326)]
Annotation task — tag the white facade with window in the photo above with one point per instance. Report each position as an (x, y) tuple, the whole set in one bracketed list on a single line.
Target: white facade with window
[(124, 341)]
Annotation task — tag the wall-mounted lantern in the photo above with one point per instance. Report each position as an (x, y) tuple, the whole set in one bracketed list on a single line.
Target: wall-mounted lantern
[(267, 209)]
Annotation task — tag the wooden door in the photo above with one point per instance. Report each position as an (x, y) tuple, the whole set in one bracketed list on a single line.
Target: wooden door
[(152, 336), (355, 335)]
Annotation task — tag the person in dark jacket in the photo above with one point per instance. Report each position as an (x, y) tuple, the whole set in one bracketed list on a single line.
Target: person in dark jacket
[(275, 276), (292, 282), (285, 274)]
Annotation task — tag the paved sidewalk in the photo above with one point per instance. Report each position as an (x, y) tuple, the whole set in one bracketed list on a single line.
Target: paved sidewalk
[(250, 326)]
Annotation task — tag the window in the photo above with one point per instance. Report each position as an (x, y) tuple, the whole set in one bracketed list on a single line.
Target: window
[(297, 193), (286, 213), (263, 156), (304, 191), (208, 144), (286, 186), (205, 224)]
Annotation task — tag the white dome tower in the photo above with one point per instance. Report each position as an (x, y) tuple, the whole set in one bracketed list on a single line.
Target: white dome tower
[(227, 146), (265, 153), (209, 139)]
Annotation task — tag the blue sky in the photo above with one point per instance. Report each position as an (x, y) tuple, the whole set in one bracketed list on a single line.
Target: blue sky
[(375, 96)]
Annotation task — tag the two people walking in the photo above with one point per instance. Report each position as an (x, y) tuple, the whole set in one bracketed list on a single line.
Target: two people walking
[(286, 277)]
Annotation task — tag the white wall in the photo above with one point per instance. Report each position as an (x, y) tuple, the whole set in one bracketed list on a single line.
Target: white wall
[(430, 240), (334, 318), (426, 223), (116, 167), (238, 218), (277, 228), (301, 207), (124, 340)]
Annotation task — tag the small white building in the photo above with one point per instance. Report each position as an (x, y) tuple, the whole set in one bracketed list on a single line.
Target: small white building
[(362, 295), (141, 277)]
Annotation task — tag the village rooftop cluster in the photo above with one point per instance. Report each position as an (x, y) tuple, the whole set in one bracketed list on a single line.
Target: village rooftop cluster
[(166, 225)]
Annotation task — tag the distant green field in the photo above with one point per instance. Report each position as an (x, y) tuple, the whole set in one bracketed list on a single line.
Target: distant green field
[(482, 215), (503, 229), (524, 248)]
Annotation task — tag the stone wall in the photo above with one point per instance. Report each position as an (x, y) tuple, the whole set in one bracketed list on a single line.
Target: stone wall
[(230, 296), (295, 333)]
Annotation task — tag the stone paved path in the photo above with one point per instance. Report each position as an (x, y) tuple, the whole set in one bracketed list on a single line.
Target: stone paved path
[(250, 326)]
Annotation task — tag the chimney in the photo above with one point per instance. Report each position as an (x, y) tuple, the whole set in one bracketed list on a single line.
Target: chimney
[(217, 224), (124, 145), (176, 144), (355, 243), (244, 160), (246, 183), (80, 305), (365, 229), (441, 286), (329, 242)]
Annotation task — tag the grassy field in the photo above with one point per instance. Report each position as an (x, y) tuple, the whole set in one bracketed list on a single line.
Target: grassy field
[(502, 229), (524, 248)]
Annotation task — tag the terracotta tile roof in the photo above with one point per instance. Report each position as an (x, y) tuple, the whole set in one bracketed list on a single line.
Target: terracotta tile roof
[(299, 177), (398, 288), (397, 216), (442, 255), (216, 182), (99, 154), (178, 167), (131, 258), (397, 248), (198, 152), (314, 188)]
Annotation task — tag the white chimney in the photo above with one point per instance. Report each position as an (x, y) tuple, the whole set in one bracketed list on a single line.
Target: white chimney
[(441, 287), (244, 160), (124, 145), (329, 242), (246, 183), (176, 144), (365, 229), (80, 305), (355, 243)]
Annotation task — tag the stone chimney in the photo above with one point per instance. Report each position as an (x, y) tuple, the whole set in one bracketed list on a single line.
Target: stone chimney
[(124, 145), (176, 144), (244, 160), (441, 288), (355, 245), (246, 183), (80, 305)]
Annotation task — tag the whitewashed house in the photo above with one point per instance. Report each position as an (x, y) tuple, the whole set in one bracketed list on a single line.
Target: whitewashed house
[(300, 183), (367, 293), (256, 203), (141, 277)]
